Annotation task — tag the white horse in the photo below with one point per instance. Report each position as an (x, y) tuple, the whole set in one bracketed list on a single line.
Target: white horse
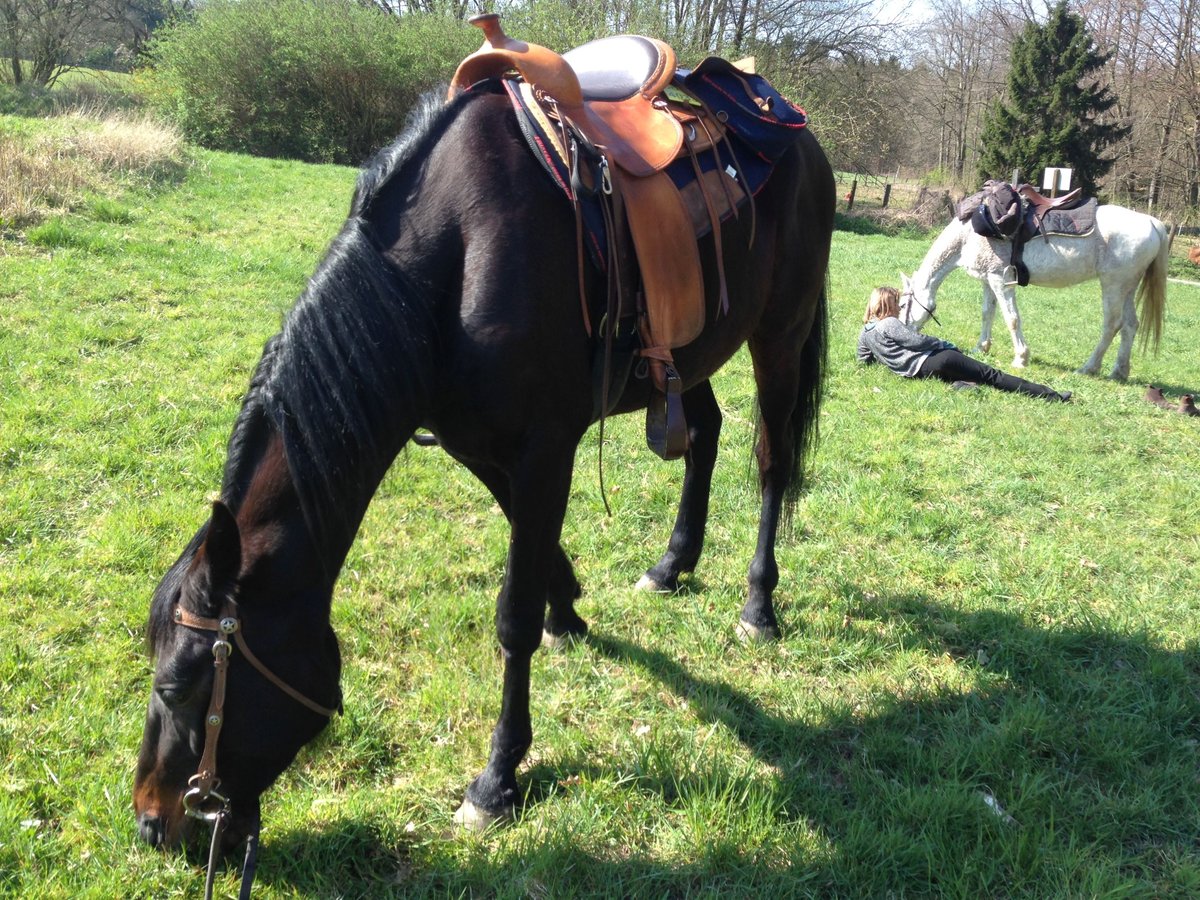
[(1125, 249)]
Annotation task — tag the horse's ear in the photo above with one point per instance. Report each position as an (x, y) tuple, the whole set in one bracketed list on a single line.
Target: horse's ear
[(223, 545), (905, 282)]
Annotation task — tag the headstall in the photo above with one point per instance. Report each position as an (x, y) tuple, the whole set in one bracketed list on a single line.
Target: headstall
[(203, 800)]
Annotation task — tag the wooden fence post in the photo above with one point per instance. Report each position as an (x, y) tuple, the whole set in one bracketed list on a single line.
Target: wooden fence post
[(887, 194), (850, 195)]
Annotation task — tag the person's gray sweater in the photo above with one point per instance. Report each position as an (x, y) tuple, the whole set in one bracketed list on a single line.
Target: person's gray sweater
[(897, 346)]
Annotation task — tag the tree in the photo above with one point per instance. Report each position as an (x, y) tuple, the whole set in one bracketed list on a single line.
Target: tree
[(1056, 112), (44, 33)]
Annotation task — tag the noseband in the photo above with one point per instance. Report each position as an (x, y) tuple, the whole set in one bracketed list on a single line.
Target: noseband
[(203, 801), (913, 299)]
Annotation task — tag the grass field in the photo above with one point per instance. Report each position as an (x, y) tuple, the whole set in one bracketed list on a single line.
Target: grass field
[(988, 683)]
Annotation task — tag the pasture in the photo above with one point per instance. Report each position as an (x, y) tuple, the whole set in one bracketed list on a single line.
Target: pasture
[(988, 682)]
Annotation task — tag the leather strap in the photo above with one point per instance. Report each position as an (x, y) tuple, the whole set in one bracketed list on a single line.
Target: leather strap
[(713, 219), (184, 617)]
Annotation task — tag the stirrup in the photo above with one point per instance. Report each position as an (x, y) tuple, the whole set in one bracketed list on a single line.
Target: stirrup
[(666, 425)]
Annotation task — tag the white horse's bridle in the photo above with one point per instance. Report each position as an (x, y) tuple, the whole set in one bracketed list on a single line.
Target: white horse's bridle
[(912, 299)]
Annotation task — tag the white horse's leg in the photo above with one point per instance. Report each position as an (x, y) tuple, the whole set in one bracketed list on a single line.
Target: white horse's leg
[(1007, 295), (1113, 297), (989, 315), (1129, 327)]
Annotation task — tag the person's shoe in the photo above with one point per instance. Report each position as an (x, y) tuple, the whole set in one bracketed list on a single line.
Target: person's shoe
[(1155, 396), (1187, 406), (964, 385)]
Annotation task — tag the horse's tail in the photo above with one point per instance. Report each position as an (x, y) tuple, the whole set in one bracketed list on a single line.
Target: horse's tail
[(806, 414), (1152, 294)]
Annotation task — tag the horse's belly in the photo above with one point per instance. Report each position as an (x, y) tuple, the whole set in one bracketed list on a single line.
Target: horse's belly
[(1062, 262)]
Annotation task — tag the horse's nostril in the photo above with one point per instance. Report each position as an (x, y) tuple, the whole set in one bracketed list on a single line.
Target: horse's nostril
[(153, 829)]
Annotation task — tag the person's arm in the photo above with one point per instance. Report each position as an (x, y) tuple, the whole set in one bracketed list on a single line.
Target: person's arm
[(864, 354), (903, 336)]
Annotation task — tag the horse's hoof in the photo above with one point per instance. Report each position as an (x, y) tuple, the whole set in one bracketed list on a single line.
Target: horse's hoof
[(473, 818), (756, 634), (560, 641), (646, 583)]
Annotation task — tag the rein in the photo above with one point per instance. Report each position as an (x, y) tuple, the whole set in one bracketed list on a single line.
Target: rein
[(203, 800), (908, 308)]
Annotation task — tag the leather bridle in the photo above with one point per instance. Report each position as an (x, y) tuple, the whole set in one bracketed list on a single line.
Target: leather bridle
[(929, 309), (203, 800)]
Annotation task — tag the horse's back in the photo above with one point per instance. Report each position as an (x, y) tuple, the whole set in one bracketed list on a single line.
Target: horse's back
[(1131, 238)]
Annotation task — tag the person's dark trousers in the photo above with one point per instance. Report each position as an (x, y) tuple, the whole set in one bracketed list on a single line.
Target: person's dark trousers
[(952, 365)]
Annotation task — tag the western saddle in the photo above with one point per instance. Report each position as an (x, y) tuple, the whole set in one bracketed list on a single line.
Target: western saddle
[(608, 98)]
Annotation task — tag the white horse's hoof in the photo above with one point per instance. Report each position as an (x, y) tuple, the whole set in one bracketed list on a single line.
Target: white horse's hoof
[(473, 818), (984, 347), (646, 583), (754, 634)]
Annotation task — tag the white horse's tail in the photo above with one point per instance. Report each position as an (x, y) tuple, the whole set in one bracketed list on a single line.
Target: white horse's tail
[(1152, 294)]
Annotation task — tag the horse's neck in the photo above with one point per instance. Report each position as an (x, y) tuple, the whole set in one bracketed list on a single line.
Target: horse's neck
[(943, 257), (278, 548)]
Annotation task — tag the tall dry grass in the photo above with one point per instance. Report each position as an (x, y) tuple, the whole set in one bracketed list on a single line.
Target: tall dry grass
[(82, 153)]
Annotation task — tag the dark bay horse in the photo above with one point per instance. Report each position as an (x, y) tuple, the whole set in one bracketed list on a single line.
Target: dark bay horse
[(450, 301)]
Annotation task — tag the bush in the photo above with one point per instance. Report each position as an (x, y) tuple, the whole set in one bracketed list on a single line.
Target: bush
[(320, 80)]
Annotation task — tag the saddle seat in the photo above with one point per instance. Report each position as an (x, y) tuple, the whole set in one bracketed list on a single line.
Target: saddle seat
[(1038, 207), (1041, 204), (610, 89)]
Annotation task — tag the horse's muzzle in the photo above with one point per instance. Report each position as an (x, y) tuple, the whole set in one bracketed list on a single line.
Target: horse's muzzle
[(157, 830)]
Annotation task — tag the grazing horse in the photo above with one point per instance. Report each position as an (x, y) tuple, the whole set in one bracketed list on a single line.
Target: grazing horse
[(450, 301), (1125, 250)]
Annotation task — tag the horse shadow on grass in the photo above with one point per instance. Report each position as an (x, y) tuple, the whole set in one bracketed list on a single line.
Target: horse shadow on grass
[(1068, 767)]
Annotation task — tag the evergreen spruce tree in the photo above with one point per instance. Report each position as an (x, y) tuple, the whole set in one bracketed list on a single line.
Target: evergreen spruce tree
[(1054, 111)]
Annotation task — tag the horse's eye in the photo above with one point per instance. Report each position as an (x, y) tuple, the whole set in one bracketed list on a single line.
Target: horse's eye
[(172, 695)]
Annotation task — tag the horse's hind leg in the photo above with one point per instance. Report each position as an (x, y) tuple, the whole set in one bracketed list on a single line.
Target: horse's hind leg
[(687, 539), (777, 374), (563, 588), (1114, 299), (1129, 327), (540, 483)]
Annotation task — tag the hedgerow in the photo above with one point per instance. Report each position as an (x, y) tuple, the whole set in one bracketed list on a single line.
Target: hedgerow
[(319, 80)]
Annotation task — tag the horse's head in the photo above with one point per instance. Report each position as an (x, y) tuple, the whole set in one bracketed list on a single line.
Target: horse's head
[(917, 302), (245, 601)]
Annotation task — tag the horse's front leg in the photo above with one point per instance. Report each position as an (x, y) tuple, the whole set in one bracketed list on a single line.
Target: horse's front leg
[(1006, 294), (562, 588), (687, 539), (539, 486), (988, 316)]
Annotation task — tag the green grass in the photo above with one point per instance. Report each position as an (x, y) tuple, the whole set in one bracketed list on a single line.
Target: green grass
[(983, 596)]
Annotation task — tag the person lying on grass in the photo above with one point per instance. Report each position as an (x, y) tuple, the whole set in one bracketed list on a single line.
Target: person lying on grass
[(884, 338)]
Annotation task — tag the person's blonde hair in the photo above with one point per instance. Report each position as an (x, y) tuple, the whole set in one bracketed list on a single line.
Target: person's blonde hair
[(884, 302)]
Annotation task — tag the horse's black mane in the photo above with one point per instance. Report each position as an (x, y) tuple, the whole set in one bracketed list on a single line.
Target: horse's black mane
[(346, 379)]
